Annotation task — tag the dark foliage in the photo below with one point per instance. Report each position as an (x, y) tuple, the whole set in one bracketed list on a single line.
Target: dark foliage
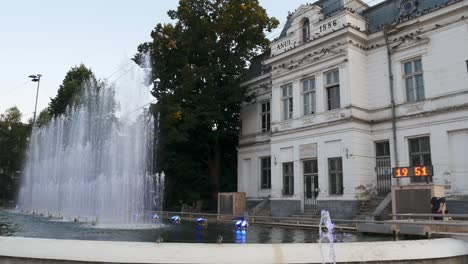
[(198, 63)]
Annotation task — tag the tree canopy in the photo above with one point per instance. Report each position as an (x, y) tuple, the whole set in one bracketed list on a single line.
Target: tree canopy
[(70, 89), (44, 117), (68, 93), (198, 63), (13, 143), (11, 115)]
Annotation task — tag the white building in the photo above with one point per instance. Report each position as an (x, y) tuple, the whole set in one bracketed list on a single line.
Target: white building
[(327, 109)]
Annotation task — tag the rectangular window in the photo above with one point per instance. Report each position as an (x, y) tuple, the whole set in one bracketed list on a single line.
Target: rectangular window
[(306, 31), (266, 172), (310, 179), (332, 87), (288, 178), (383, 167), (382, 149), (287, 99), (266, 117), (308, 93), (420, 155), (413, 76), (335, 172)]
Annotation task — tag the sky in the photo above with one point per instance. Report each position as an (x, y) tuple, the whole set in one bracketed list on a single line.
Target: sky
[(49, 37)]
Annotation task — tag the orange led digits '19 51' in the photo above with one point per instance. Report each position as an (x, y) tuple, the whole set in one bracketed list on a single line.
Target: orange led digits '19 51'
[(418, 171)]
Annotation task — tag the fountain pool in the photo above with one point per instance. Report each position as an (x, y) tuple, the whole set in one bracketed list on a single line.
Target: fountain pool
[(22, 225)]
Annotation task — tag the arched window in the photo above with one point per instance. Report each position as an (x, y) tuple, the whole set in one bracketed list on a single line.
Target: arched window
[(305, 30)]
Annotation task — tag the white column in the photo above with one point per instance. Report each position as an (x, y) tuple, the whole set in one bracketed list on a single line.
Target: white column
[(275, 104), (320, 93), (297, 99), (345, 91), (276, 172)]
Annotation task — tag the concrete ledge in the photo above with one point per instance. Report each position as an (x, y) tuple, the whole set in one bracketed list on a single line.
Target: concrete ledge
[(415, 230), (457, 205), (377, 228), (31, 250)]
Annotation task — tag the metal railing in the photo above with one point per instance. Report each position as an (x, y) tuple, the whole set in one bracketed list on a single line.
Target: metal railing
[(409, 216), (313, 222)]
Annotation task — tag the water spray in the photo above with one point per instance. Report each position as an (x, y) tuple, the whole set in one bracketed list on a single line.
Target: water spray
[(326, 228)]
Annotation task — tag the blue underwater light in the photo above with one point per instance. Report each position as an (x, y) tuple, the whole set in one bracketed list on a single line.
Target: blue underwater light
[(241, 236), (202, 221), (175, 219), (242, 224), (155, 216)]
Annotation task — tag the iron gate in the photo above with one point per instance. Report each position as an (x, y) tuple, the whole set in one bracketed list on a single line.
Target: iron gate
[(311, 191), (383, 168)]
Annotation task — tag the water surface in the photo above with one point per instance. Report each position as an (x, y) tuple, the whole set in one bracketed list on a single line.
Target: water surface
[(21, 225)]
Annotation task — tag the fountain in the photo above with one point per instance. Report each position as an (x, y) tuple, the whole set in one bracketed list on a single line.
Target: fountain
[(326, 228), (96, 161)]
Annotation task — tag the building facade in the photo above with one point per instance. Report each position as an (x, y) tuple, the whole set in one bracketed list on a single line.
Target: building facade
[(330, 118)]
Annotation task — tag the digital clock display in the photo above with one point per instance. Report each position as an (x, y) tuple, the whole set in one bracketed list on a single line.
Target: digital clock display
[(418, 171)]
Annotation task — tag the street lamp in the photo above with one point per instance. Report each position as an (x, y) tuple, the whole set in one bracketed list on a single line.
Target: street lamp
[(35, 78)]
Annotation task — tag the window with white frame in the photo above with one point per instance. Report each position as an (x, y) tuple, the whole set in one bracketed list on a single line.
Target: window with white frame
[(332, 87), (288, 178), (265, 115), (265, 164), (306, 31), (420, 155), (335, 174), (287, 99), (309, 95), (413, 76)]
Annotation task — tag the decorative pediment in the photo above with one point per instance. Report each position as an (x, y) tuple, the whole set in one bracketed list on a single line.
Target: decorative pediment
[(310, 22), (303, 9)]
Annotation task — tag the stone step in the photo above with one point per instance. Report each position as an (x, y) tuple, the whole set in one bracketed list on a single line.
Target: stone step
[(266, 211), (306, 216), (367, 209), (373, 202), (263, 214), (370, 205)]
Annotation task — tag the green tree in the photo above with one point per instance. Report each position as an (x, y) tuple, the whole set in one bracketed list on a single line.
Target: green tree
[(198, 63), (70, 89), (11, 115), (44, 117), (13, 144)]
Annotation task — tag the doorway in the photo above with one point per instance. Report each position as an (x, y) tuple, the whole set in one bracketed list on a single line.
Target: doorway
[(383, 168), (311, 187)]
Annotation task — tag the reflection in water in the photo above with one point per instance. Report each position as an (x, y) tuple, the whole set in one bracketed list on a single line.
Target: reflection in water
[(12, 224), (199, 234), (298, 236), (241, 236), (276, 235), (286, 236), (264, 234), (310, 237)]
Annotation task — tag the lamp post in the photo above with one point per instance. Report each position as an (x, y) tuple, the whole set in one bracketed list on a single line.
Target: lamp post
[(35, 78)]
